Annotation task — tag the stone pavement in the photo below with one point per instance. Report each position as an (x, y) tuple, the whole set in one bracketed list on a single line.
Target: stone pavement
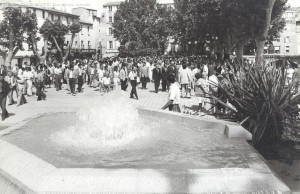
[(60, 101)]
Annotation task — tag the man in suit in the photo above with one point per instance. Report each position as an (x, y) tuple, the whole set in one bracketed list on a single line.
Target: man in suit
[(144, 75), (4, 90), (156, 76)]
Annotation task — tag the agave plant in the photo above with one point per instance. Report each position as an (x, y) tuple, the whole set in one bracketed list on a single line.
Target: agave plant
[(265, 104)]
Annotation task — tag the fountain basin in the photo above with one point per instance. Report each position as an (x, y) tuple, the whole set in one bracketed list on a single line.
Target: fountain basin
[(27, 173)]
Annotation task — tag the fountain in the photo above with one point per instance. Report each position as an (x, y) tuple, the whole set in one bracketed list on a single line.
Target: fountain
[(109, 146)]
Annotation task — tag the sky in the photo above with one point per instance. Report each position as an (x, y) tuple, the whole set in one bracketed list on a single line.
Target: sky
[(67, 5)]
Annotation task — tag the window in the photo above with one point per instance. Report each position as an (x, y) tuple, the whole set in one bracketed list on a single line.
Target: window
[(75, 44), (277, 50), (67, 43), (111, 45), (89, 12), (287, 49), (287, 39), (82, 45), (52, 16), (88, 30), (110, 31), (298, 26), (67, 19), (110, 19), (58, 17), (44, 14), (89, 46), (109, 8)]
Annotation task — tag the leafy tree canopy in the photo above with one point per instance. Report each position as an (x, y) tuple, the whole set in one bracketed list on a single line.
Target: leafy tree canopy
[(142, 27)]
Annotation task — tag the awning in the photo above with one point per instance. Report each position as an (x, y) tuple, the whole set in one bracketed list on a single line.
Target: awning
[(21, 54)]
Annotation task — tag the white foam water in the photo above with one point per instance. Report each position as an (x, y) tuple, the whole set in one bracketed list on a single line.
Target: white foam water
[(106, 123)]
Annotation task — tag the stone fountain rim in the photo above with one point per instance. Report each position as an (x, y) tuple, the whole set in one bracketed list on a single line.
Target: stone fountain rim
[(34, 175)]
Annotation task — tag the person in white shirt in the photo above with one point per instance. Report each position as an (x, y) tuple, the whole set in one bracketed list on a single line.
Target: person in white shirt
[(20, 81), (28, 75), (133, 77), (289, 74), (213, 88), (106, 83), (174, 96), (116, 76), (58, 77)]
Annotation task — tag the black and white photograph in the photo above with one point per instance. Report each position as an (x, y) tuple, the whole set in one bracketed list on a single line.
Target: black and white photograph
[(149, 96)]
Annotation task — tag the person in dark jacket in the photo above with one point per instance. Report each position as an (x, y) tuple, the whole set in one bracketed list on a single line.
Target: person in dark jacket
[(164, 76), (4, 90), (156, 76)]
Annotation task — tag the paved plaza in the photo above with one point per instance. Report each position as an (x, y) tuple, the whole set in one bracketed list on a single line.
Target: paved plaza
[(60, 101)]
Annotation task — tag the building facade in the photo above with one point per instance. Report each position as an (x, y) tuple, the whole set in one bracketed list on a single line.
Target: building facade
[(288, 44), (87, 42), (109, 44), (42, 14)]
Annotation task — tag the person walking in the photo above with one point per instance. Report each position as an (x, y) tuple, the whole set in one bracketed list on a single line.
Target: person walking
[(40, 85), (4, 90), (72, 80), (58, 76), (133, 81), (144, 75), (80, 78), (12, 81), (123, 77), (174, 96), (21, 87), (164, 76), (184, 79), (156, 76)]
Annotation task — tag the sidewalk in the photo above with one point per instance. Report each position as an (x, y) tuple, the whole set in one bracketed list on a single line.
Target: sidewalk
[(63, 101)]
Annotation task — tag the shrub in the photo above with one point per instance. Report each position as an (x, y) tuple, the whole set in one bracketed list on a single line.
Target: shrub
[(265, 105)]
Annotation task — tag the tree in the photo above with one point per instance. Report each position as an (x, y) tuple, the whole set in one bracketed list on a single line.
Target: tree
[(12, 32), (54, 33), (142, 27), (227, 23), (271, 21), (31, 28)]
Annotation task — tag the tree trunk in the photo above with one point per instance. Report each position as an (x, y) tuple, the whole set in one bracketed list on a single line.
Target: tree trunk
[(34, 48), (262, 37), (58, 49), (44, 56), (10, 54), (69, 48), (228, 46), (240, 53)]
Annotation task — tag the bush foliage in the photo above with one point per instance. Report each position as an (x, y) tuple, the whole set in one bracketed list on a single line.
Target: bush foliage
[(265, 104)]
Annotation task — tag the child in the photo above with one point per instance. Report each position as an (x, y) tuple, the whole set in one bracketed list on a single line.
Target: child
[(202, 90), (106, 83), (174, 95)]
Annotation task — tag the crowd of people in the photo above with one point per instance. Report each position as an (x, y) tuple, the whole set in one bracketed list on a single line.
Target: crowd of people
[(182, 77)]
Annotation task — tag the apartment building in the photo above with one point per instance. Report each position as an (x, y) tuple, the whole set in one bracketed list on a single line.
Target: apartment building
[(288, 44), (87, 42)]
